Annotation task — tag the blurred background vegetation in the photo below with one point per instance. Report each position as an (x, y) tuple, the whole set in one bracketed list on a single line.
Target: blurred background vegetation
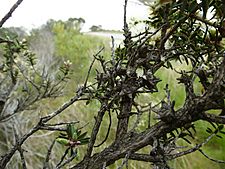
[(58, 41)]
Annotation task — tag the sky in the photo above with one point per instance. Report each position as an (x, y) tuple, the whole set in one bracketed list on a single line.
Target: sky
[(108, 13)]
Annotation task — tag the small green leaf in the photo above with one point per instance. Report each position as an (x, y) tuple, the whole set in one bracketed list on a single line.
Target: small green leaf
[(182, 135), (63, 141), (81, 136), (186, 140), (220, 127), (84, 141), (213, 124), (219, 136), (222, 132), (72, 131), (209, 130)]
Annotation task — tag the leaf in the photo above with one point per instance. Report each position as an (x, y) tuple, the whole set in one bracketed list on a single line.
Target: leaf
[(78, 132), (63, 141), (209, 130), (216, 131), (186, 140), (220, 127), (81, 136), (190, 134), (62, 134), (219, 136), (84, 141), (193, 127), (72, 131), (182, 135), (222, 132), (87, 102), (213, 124)]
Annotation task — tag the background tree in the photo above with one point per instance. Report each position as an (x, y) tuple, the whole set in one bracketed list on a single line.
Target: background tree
[(185, 42)]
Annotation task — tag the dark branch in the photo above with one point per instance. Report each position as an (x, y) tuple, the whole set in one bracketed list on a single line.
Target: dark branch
[(9, 14)]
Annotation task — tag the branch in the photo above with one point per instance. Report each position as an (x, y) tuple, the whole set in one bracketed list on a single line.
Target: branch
[(195, 148), (213, 118), (95, 130), (9, 14), (143, 157)]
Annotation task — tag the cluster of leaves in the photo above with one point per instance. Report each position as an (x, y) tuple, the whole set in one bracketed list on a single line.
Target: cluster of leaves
[(73, 137)]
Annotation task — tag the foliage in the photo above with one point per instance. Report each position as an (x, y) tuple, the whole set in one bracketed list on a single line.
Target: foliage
[(181, 41), (96, 28)]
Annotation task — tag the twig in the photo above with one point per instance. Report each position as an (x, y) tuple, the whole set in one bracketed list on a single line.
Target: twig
[(52, 128), (113, 51), (9, 14), (149, 116), (217, 161), (195, 148), (67, 161), (47, 158), (62, 123), (62, 158), (139, 114), (89, 70), (125, 161), (108, 130), (22, 157), (20, 150), (98, 121), (125, 26)]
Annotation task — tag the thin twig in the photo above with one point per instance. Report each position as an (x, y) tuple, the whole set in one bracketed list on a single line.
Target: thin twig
[(125, 161), (9, 14), (22, 157), (149, 116), (108, 130), (195, 148), (113, 51), (125, 26), (52, 128), (89, 70), (67, 161), (62, 123), (62, 158), (47, 158), (20, 150), (217, 161)]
